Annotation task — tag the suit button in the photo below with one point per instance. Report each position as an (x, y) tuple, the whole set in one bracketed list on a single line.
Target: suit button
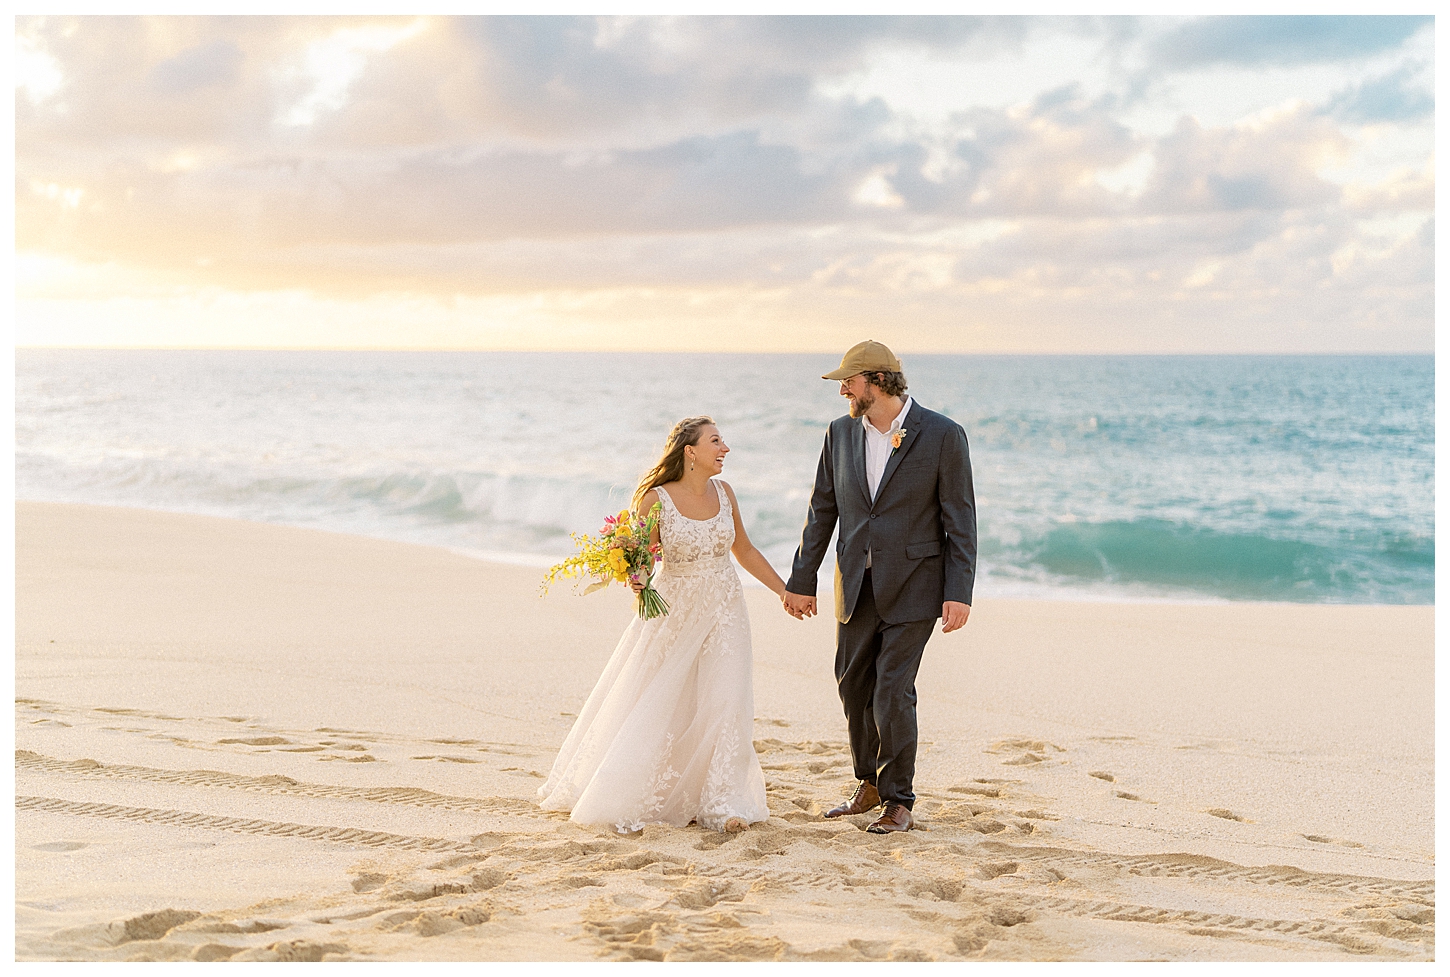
[(873, 515)]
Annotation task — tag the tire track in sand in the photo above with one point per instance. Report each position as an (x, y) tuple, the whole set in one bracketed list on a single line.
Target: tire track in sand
[(213, 822), (1164, 865), (1201, 866), (274, 784), (1350, 937)]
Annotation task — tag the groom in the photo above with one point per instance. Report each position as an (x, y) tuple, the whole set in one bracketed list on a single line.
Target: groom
[(898, 480)]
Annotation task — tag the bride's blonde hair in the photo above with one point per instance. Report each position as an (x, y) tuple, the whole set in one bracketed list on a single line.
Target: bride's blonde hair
[(671, 466)]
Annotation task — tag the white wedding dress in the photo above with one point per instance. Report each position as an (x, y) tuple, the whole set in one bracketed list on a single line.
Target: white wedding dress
[(666, 737)]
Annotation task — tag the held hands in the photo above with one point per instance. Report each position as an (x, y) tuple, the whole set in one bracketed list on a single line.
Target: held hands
[(798, 606), (954, 615)]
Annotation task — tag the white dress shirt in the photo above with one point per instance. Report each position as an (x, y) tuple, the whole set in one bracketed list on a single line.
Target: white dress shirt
[(878, 451)]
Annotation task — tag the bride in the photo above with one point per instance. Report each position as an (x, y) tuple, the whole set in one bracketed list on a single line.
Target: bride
[(666, 737)]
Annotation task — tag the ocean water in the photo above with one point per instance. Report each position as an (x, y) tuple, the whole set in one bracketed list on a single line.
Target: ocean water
[(1138, 477)]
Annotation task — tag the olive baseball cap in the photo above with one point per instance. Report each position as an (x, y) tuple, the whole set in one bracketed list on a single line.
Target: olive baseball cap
[(867, 357)]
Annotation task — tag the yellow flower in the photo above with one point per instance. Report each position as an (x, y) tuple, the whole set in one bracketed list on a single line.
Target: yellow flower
[(617, 563)]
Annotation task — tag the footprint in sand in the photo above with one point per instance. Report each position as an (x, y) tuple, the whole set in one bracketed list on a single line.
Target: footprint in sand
[(369, 881), (1227, 815), (1124, 795), (705, 894), (520, 771), (212, 952), (1322, 840), (1028, 751), (1103, 775), (300, 951), (992, 870)]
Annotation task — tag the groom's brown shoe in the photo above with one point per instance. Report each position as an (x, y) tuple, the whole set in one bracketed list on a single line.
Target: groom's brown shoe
[(896, 817), (862, 801)]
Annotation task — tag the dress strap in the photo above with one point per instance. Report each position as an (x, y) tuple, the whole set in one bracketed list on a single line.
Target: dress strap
[(668, 503), (724, 497)]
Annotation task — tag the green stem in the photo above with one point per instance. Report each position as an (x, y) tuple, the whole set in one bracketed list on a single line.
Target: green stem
[(651, 605)]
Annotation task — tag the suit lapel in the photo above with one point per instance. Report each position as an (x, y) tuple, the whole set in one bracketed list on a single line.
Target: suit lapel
[(858, 460), (911, 426)]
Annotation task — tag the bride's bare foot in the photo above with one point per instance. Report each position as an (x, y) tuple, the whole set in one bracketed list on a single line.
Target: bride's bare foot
[(735, 825)]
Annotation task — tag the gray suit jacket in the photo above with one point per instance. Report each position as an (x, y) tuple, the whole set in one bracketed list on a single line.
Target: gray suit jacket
[(921, 531)]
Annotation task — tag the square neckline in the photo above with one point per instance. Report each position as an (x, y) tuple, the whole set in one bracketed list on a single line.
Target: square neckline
[(719, 494)]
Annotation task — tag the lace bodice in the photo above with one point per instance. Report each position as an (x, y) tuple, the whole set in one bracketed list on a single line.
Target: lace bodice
[(685, 540)]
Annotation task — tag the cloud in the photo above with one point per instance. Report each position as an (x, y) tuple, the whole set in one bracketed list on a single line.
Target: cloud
[(1395, 97), (608, 163), (37, 72), (203, 66), (1270, 166), (132, 84), (1281, 40)]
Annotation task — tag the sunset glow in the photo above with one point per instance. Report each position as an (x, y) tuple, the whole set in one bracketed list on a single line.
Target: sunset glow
[(951, 184)]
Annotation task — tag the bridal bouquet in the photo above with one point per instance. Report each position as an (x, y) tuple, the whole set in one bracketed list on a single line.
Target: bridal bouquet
[(620, 551)]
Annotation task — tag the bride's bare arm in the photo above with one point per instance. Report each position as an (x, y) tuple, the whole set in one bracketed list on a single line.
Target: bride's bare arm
[(646, 503), (748, 556)]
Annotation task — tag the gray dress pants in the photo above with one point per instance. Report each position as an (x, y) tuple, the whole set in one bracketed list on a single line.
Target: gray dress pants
[(876, 667)]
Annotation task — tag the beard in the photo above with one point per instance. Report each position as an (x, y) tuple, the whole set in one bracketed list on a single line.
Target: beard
[(858, 406)]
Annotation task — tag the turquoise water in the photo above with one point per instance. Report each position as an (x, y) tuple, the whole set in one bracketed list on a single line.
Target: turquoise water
[(1244, 478)]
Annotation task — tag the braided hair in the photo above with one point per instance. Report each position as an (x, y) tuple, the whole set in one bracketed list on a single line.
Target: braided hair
[(671, 466)]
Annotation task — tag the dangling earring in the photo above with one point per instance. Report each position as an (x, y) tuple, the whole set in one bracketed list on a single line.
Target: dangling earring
[(692, 464)]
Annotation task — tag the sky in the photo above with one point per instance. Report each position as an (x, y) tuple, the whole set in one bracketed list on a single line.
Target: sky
[(973, 184)]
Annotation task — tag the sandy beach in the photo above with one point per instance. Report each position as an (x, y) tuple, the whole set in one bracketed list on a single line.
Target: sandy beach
[(242, 741)]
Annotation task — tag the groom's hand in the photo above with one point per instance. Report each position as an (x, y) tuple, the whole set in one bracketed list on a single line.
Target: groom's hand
[(954, 615), (787, 601), (798, 606)]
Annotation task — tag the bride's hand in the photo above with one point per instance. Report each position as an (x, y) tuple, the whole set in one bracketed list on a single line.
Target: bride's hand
[(798, 606), (636, 585)]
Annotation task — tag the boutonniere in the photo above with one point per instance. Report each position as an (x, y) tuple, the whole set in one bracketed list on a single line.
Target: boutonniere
[(897, 436)]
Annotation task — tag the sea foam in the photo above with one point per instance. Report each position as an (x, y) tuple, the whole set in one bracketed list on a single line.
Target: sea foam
[(1207, 478)]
